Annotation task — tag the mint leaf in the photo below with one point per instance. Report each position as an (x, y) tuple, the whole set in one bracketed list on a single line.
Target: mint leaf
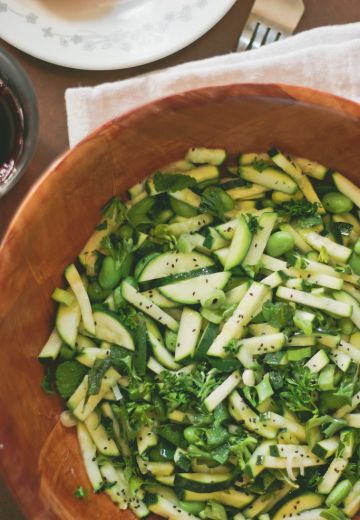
[(278, 314), (308, 222), (171, 182), (47, 381), (216, 201), (68, 376), (96, 375), (138, 214)]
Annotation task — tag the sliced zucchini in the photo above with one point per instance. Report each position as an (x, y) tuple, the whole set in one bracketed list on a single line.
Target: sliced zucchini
[(229, 497), (214, 240), (201, 155), (269, 177), (67, 322), (203, 482), (311, 168), (220, 393), (244, 414), (239, 245), (332, 475), (52, 347), (338, 252), (118, 491), (194, 290), (234, 326), (318, 361), (265, 502), (275, 420), (258, 346), (108, 327), (298, 239), (145, 305), (74, 279), (236, 294), (156, 297), (189, 225), (345, 297), (259, 241), (165, 508), (146, 438), (86, 405), (188, 335), (104, 444), (88, 452), (188, 197), (160, 469), (318, 302), (348, 188), (326, 448), (171, 263), (161, 353), (292, 169), (247, 192), (298, 502)]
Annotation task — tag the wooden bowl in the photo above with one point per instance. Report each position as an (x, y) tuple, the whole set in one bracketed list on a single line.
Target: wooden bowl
[(39, 458)]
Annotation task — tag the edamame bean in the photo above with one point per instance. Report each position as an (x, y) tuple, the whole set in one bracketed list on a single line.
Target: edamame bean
[(357, 247), (96, 292), (354, 263), (339, 493), (336, 202), (193, 508), (280, 243), (191, 434), (346, 326), (110, 273), (125, 231)]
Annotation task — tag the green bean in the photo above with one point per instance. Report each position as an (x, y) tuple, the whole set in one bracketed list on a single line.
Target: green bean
[(336, 202), (339, 493), (279, 243), (193, 508)]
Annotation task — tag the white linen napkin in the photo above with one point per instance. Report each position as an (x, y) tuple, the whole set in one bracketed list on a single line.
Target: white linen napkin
[(326, 58)]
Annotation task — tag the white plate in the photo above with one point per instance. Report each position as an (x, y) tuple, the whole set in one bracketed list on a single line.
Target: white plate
[(106, 34)]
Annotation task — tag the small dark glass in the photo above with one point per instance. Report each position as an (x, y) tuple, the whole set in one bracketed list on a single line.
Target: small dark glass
[(18, 121)]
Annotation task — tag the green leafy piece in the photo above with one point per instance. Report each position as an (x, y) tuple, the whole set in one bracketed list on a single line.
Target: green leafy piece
[(278, 314), (162, 236), (137, 215), (171, 182), (140, 414), (242, 449), (122, 360), (334, 513), (299, 209), (232, 347), (308, 222), (253, 223), (122, 417), (213, 511), (96, 374), (301, 392), (340, 230), (114, 210), (216, 201), (260, 165), (68, 376), (81, 493)]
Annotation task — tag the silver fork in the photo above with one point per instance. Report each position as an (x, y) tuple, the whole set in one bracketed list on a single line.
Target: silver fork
[(269, 21)]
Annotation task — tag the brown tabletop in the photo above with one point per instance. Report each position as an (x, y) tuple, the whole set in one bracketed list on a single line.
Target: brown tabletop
[(50, 82)]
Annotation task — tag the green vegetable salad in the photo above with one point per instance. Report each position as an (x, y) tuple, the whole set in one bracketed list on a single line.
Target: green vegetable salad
[(207, 343)]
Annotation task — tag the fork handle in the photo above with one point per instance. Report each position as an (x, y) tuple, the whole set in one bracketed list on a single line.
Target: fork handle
[(287, 12)]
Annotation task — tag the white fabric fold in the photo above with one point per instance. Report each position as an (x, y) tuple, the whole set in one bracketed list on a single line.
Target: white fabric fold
[(326, 58)]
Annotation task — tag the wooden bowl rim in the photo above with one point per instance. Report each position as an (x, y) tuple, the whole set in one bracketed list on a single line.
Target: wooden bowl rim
[(319, 98)]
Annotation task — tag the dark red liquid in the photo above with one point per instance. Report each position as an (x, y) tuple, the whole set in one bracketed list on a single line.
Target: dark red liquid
[(11, 132)]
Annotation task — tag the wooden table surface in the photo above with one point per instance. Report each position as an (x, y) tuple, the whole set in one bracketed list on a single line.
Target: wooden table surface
[(50, 82)]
